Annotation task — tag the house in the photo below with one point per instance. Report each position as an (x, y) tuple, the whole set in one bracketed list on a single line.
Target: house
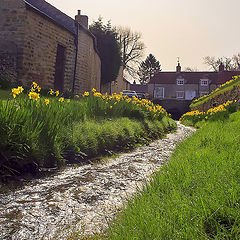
[(139, 88), (116, 86), (187, 85), (40, 43)]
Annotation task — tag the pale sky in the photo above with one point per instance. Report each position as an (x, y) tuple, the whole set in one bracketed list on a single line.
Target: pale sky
[(189, 29)]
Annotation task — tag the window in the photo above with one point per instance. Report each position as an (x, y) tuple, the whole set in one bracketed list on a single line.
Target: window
[(180, 94), (203, 93), (204, 82), (180, 81), (159, 92)]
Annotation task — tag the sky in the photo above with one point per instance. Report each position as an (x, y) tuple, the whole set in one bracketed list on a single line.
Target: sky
[(188, 29)]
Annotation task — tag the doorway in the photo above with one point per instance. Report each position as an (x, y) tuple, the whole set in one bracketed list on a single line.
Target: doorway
[(60, 68)]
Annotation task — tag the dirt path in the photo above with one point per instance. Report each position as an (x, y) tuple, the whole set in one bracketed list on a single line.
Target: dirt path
[(86, 196)]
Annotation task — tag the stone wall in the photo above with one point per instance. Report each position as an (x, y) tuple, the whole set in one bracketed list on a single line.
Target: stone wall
[(88, 73), (36, 38), (232, 95), (116, 86), (42, 37), (8, 61), (12, 30)]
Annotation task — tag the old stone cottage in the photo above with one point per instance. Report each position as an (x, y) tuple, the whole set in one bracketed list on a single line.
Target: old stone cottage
[(40, 43), (181, 85)]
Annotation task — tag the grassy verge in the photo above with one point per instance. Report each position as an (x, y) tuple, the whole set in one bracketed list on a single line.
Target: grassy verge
[(4, 94), (195, 196), (228, 86), (49, 131)]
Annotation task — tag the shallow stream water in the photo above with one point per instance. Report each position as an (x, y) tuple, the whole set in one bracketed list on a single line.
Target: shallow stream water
[(86, 197)]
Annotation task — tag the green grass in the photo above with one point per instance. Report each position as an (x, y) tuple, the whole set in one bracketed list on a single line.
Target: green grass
[(4, 94), (212, 95), (195, 196)]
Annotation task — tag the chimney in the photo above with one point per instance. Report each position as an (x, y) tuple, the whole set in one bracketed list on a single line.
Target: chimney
[(221, 67), (82, 19), (178, 68)]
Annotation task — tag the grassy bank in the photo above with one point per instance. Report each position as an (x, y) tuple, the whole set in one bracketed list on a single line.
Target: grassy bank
[(199, 118), (226, 87), (50, 131), (196, 195)]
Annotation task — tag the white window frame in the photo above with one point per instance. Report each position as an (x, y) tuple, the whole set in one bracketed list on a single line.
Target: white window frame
[(204, 82), (180, 81), (180, 94), (156, 90), (203, 93)]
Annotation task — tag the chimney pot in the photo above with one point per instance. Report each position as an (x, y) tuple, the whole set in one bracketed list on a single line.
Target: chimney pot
[(82, 19)]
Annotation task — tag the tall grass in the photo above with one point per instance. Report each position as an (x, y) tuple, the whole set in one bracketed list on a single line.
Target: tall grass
[(47, 134), (195, 196)]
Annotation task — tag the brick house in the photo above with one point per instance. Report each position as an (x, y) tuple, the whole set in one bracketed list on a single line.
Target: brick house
[(187, 85), (40, 43)]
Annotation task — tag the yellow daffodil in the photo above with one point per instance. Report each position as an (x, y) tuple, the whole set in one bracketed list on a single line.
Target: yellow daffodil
[(57, 93), (51, 92), (34, 85), (20, 89), (47, 101), (94, 90), (15, 92), (39, 89), (68, 100), (34, 96), (97, 94), (61, 99)]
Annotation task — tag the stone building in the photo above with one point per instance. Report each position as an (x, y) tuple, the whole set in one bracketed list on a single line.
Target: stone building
[(187, 85), (40, 43), (116, 86)]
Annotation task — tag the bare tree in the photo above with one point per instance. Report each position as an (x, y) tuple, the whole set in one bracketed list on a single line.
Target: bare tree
[(132, 49), (230, 64), (191, 69), (236, 61)]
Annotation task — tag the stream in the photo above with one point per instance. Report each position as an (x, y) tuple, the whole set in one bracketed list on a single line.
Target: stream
[(83, 198)]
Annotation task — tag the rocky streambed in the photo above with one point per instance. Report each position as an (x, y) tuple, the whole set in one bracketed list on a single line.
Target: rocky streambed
[(86, 197)]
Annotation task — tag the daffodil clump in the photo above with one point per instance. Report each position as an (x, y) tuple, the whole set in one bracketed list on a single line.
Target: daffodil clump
[(119, 103), (34, 94), (17, 91), (234, 80), (196, 116)]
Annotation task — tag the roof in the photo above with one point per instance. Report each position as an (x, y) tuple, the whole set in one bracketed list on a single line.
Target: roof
[(53, 13), (140, 88), (59, 17), (192, 77)]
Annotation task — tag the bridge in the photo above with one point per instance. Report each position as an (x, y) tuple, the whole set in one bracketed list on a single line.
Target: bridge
[(175, 107)]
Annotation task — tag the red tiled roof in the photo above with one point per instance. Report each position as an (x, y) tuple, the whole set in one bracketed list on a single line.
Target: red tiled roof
[(226, 76), (193, 77)]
